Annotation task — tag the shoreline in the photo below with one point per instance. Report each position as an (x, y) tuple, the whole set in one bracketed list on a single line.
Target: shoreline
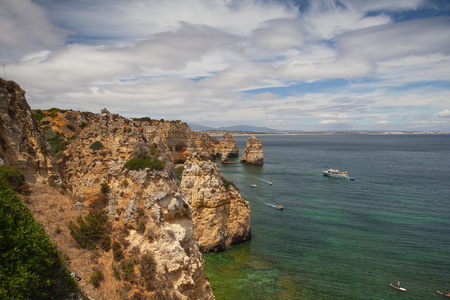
[(237, 133)]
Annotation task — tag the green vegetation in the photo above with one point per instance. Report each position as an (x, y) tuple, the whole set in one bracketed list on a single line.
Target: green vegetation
[(71, 128), (56, 139), (144, 119), (30, 265), (96, 278), (38, 115), (117, 251), (15, 179), (143, 162), (115, 270), (226, 183), (90, 230), (104, 188), (147, 268), (97, 145), (127, 267), (82, 125)]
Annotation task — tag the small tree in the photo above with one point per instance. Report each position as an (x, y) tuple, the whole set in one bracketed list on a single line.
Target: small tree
[(105, 111)]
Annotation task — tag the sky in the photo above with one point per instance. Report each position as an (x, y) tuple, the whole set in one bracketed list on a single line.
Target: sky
[(317, 65)]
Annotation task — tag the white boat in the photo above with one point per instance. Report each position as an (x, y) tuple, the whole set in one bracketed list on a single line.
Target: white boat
[(336, 174), (254, 185)]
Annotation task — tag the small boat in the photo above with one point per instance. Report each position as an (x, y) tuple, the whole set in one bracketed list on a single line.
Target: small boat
[(447, 294), (270, 183), (254, 185), (279, 207), (336, 173), (398, 287)]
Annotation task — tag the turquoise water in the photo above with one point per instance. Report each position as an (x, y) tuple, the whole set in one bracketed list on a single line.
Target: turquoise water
[(335, 238)]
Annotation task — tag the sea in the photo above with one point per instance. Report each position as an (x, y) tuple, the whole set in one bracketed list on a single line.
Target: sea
[(337, 238)]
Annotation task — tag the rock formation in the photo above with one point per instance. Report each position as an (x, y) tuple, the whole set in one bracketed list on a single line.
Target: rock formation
[(23, 145), (148, 203), (150, 216), (253, 153), (227, 147), (221, 216)]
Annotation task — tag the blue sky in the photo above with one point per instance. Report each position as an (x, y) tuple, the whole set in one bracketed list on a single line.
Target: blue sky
[(304, 65)]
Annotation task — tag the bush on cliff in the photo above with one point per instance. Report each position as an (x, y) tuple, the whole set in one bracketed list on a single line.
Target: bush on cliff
[(97, 145), (14, 178), (90, 230), (143, 162), (30, 265)]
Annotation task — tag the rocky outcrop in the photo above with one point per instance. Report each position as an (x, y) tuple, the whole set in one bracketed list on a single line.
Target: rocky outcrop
[(23, 145), (227, 147), (221, 216), (253, 153), (146, 203)]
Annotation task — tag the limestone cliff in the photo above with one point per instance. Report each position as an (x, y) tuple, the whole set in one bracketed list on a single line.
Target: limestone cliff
[(221, 216), (253, 153), (145, 203), (23, 145)]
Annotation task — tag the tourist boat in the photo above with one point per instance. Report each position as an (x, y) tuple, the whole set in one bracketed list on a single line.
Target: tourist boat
[(447, 294), (398, 287), (254, 185), (279, 207), (336, 174)]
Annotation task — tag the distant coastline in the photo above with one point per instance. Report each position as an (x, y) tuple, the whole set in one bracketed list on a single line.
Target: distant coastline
[(221, 132)]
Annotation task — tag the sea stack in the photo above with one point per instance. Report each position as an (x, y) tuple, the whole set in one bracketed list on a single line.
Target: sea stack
[(227, 146), (253, 153)]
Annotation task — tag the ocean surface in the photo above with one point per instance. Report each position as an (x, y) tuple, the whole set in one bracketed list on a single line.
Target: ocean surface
[(336, 238)]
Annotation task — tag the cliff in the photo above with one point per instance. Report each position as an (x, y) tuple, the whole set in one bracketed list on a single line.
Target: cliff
[(146, 203), (103, 163), (220, 215), (23, 145), (110, 165), (253, 153)]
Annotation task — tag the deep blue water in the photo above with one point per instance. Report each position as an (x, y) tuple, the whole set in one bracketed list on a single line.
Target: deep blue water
[(341, 239)]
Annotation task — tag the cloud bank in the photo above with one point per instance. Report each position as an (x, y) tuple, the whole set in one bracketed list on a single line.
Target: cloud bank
[(318, 65)]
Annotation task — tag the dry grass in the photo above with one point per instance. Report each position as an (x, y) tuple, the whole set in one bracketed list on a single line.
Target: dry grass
[(54, 211)]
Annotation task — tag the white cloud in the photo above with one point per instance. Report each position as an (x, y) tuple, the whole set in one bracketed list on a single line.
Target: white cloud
[(443, 114), (399, 40), (205, 61), (25, 28)]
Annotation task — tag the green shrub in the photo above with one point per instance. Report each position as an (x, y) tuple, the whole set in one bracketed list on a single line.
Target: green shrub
[(38, 115), (147, 268), (116, 272), (45, 122), (105, 243), (82, 125), (15, 179), (71, 128), (30, 265), (127, 267), (104, 188), (117, 251), (56, 139), (97, 145), (143, 162), (96, 278), (88, 231)]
